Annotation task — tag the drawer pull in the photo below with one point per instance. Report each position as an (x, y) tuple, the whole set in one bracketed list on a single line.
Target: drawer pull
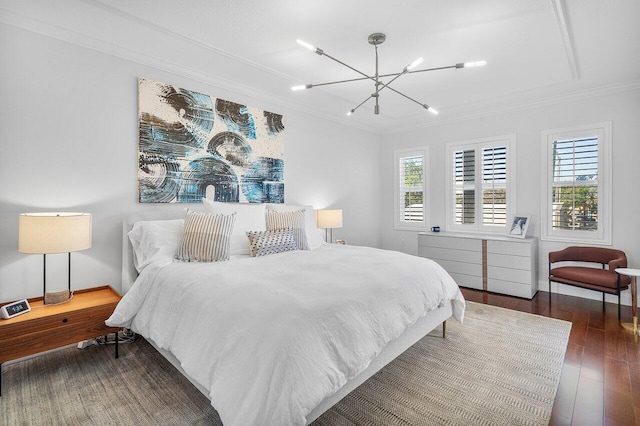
[(65, 320)]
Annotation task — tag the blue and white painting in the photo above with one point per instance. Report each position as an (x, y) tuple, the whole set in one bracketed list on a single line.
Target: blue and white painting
[(192, 145)]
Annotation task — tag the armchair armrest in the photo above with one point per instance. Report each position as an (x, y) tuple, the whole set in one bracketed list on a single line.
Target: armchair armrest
[(619, 262), (566, 254)]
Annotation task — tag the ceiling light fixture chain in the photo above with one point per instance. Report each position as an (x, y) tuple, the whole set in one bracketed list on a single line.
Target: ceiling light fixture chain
[(377, 39)]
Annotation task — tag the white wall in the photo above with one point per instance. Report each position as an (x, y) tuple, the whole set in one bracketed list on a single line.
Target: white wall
[(622, 109), (68, 141)]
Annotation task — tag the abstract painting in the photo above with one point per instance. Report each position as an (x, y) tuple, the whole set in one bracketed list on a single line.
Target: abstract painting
[(192, 145)]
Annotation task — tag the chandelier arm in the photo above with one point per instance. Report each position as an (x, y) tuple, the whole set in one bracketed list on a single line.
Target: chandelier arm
[(392, 80), (381, 76), (434, 69), (361, 103), (402, 94), (426, 69), (341, 81)]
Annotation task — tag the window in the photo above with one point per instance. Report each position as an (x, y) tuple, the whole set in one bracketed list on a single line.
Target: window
[(479, 177), (577, 184), (410, 189)]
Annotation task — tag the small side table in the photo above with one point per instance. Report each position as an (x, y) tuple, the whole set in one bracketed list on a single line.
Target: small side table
[(51, 326), (634, 274)]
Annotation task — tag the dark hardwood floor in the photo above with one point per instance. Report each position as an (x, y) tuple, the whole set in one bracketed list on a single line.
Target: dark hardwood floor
[(600, 382)]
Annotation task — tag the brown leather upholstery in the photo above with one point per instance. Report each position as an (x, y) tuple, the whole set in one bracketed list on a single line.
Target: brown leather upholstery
[(611, 257), (596, 277)]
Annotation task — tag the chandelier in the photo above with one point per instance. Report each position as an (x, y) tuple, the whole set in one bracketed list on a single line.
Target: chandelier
[(377, 39)]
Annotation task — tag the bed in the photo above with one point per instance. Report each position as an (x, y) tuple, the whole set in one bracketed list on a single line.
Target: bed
[(279, 339)]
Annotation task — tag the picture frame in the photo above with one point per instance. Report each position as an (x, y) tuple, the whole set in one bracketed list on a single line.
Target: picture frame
[(519, 225)]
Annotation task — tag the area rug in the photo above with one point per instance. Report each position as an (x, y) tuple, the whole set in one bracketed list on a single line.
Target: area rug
[(500, 367)]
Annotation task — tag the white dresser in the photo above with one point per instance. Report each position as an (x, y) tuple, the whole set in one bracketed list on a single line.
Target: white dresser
[(485, 262)]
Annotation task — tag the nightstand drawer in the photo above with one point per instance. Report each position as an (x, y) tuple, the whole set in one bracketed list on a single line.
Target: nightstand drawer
[(52, 332), (62, 322)]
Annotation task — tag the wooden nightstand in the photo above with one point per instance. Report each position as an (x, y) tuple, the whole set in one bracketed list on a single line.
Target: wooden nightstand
[(51, 326)]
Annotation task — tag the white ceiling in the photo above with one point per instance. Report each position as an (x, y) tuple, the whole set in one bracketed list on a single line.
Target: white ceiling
[(537, 50)]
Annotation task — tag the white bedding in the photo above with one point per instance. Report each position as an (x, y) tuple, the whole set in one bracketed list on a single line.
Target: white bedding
[(271, 337)]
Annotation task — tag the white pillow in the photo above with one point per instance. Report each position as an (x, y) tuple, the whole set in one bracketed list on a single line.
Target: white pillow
[(295, 221), (314, 239), (249, 217), (264, 243), (206, 237), (155, 240)]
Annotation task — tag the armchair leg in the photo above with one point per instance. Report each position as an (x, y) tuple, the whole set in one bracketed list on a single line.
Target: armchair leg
[(603, 301), (549, 291)]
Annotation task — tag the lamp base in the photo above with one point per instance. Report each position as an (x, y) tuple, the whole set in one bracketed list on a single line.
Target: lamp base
[(56, 297)]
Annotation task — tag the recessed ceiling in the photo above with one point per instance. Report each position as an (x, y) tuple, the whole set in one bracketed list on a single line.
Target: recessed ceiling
[(536, 50)]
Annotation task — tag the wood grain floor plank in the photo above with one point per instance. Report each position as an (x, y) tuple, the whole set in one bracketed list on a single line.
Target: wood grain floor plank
[(566, 397), (589, 408)]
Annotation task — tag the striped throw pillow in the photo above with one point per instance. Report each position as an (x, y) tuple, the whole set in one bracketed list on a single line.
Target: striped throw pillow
[(206, 237), (263, 243), (294, 220)]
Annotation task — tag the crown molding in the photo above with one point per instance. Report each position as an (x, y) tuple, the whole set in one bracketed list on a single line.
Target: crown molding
[(66, 35), (102, 4), (525, 105), (58, 32)]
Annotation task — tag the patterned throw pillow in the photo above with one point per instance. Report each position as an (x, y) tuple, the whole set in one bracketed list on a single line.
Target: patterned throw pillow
[(275, 241), (294, 220), (206, 237)]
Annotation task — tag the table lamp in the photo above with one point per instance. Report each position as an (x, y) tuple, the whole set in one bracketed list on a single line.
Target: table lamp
[(55, 232), (328, 220)]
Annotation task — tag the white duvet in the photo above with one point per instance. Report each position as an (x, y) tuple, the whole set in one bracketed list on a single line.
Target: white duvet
[(271, 337)]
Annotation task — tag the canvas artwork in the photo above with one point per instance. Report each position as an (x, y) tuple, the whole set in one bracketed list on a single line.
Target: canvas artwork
[(192, 145)]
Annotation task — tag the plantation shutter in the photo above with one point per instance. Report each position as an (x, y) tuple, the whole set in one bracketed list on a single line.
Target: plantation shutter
[(575, 184), (494, 186), (464, 186), (411, 189)]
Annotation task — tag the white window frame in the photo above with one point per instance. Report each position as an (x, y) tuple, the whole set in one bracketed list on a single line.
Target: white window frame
[(603, 234), (478, 145), (398, 213)]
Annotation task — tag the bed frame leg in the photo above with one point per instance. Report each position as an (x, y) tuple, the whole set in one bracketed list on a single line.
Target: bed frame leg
[(444, 330)]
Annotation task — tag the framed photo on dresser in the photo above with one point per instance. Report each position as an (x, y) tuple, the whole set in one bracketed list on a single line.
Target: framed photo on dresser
[(519, 226)]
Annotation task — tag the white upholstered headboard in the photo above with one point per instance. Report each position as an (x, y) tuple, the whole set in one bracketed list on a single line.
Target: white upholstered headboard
[(129, 273)]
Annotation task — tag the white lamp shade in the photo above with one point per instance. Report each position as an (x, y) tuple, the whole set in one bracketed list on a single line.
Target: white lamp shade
[(329, 219), (58, 232)]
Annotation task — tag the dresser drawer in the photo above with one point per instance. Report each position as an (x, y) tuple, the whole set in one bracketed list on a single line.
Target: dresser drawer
[(437, 253), (447, 242)]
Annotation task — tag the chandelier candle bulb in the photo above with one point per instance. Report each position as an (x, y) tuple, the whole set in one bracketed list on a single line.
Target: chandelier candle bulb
[(430, 109), (310, 47), (305, 44), (475, 64), (414, 64)]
